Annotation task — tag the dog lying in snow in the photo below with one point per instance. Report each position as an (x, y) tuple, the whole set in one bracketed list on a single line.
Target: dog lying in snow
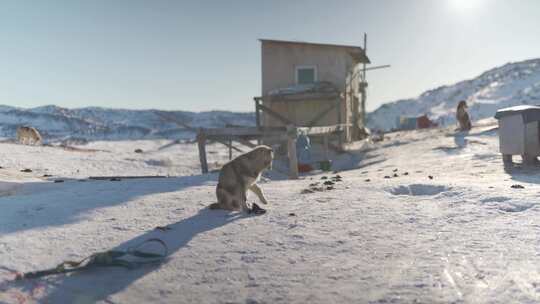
[(240, 175), (28, 135), (463, 117)]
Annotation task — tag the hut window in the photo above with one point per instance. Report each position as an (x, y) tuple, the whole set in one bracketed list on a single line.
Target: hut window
[(306, 74)]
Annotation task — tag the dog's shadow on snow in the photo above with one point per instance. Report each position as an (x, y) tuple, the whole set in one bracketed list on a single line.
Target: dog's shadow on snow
[(100, 283), (37, 204), (460, 142)]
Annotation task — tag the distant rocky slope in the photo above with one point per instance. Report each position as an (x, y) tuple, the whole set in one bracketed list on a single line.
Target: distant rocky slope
[(508, 85), (93, 123)]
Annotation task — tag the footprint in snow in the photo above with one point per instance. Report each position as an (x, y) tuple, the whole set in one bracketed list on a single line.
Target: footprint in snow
[(495, 199), (419, 190)]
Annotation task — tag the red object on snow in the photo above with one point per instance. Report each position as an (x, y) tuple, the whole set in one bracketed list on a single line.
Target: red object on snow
[(423, 122), (303, 168)]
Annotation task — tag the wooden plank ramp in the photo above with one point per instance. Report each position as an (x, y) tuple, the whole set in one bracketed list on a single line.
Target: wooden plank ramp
[(127, 177)]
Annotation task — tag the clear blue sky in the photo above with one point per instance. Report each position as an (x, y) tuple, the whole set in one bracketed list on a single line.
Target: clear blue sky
[(201, 55)]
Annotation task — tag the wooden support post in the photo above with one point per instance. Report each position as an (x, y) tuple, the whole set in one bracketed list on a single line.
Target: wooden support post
[(291, 149), (230, 149), (340, 139), (258, 117), (325, 144), (507, 160), (363, 86), (257, 112), (201, 141), (529, 160)]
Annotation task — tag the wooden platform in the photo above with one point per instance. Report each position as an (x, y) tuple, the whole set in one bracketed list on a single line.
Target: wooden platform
[(243, 135)]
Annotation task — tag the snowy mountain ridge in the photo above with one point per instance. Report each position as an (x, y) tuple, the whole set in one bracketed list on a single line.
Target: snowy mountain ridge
[(95, 123), (508, 85)]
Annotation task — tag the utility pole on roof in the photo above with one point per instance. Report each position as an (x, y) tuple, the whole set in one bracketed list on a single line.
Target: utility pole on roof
[(363, 83), (365, 52), (363, 86)]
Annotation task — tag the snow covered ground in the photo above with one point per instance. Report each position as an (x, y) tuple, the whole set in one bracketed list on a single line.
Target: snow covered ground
[(463, 235)]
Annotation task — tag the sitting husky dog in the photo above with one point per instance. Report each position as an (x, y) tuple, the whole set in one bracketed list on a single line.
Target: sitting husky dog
[(28, 135), (239, 175), (463, 117)]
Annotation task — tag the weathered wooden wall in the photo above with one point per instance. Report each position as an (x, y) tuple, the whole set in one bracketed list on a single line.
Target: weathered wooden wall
[(334, 64)]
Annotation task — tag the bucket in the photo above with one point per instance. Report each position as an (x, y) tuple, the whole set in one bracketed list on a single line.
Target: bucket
[(325, 165)]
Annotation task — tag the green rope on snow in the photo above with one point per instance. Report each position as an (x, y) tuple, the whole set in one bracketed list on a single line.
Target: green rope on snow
[(111, 258)]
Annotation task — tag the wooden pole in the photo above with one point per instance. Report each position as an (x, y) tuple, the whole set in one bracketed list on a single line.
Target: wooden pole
[(363, 87), (126, 177), (365, 52), (377, 67), (230, 149), (325, 143), (201, 141), (258, 117), (257, 113), (340, 140), (291, 149)]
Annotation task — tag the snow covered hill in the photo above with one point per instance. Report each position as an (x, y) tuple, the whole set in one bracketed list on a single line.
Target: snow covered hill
[(92, 123), (508, 85)]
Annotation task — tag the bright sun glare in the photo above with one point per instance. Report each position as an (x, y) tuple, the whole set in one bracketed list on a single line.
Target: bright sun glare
[(465, 5)]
